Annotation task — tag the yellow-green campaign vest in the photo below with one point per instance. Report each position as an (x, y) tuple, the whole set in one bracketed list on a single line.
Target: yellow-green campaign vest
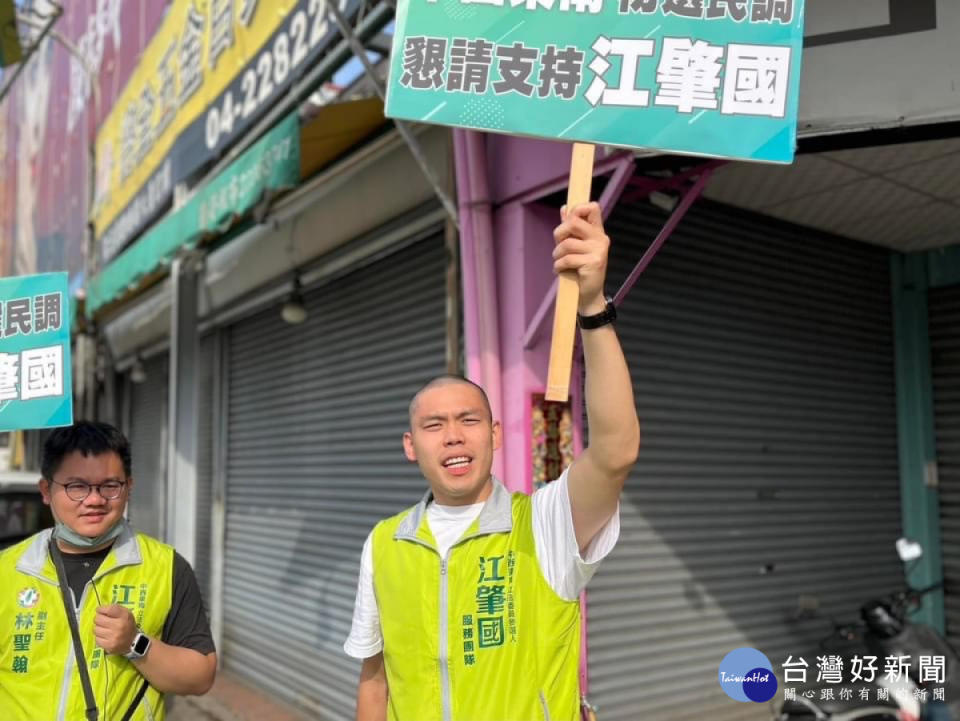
[(479, 636), (38, 674)]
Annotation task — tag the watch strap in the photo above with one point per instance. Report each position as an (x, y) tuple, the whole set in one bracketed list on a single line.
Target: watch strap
[(605, 317)]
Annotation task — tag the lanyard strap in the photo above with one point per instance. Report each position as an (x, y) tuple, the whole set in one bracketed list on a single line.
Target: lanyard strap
[(92, 713), (136, 701)]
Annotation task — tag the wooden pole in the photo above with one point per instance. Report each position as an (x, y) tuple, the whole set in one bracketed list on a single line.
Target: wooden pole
[(568, 291)]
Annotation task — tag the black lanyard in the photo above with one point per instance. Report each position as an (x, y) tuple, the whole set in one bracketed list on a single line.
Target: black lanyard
[(92, 713)]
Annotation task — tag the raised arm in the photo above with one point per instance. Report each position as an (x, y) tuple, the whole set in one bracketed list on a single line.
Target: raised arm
[(597, 476)]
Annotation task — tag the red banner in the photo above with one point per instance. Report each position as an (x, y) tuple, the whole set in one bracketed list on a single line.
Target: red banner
[(47, 127)]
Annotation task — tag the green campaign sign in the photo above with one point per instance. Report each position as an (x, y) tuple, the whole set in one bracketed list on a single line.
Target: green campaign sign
[(35, 380), (719, 78)]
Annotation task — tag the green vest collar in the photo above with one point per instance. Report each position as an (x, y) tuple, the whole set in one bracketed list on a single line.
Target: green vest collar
[(35, 561), (496, 516)]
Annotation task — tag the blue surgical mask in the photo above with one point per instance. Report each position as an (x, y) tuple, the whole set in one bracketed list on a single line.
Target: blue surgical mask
[(66, 534)]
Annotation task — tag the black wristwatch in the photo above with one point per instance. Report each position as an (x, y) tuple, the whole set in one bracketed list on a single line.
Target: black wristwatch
[(598, 320)]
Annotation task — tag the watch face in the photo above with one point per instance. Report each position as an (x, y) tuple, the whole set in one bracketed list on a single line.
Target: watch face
[(141, 645)]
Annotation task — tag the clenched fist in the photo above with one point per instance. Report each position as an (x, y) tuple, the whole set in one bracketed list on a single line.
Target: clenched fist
[(582, 247), (114, 629)]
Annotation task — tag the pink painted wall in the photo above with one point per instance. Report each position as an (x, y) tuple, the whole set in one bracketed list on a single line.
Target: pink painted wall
[(518, 165), (523, 242), (507, 232)]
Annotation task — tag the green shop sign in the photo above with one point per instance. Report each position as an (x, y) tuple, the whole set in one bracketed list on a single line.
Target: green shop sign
[(35, 380), (717, 78), (271, 164)]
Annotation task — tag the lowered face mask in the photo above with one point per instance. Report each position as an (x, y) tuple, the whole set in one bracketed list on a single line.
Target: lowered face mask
[(66, 534)]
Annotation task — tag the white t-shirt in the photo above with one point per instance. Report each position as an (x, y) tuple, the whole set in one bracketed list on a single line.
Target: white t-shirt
[(564, 568)]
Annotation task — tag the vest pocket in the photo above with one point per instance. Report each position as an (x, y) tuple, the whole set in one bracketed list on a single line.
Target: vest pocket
[(546, 709)]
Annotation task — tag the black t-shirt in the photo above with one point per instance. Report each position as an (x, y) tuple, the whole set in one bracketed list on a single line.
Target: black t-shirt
[(186, 624)]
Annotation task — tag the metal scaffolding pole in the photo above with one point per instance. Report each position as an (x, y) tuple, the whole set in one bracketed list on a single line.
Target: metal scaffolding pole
[(404, 129)]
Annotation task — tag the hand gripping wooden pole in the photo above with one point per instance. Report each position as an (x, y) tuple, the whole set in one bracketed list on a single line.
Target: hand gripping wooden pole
[(568, 290)]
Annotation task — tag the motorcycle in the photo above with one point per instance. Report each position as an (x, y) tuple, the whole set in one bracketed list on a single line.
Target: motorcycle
[(884, 631)]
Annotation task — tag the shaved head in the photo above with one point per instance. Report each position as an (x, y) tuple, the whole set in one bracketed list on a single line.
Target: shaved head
[(452, 438), (447, 380)]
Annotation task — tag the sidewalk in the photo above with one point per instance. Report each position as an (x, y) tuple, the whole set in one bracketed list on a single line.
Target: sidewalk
[(231, 699)]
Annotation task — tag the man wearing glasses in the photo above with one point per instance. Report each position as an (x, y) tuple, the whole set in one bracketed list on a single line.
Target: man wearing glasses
[(93, 589)]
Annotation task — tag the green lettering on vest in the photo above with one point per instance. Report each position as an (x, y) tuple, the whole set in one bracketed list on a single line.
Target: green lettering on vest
[(511, 646), (40, 642), (121, 594)]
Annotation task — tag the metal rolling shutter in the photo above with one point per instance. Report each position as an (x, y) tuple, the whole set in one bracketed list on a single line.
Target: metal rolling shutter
[(148, 448), (761, 356), (205, 380), (944, 312), (316, 414)]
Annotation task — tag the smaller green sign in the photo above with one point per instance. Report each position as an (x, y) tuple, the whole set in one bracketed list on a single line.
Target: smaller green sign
[(272, 163), (35, 380)]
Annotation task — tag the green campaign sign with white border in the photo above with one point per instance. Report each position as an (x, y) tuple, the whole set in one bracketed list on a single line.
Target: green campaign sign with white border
[(35, 379), (718, 78)]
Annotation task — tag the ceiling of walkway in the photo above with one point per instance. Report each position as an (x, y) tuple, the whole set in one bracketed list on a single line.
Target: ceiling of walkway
[(904, 196)]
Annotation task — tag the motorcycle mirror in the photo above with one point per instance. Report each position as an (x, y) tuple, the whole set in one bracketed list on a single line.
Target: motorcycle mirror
[(909, 550)]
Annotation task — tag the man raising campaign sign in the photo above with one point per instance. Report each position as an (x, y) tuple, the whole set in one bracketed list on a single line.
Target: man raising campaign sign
[(467, 606), (714, 78)]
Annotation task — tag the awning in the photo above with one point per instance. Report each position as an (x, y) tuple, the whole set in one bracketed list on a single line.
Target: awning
[(270, 165), (276, 162), (334, 129)]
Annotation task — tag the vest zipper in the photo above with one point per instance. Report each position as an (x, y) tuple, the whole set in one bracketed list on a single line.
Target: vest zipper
[(444, 630), (444, 660), (65, 686), (546, 709)]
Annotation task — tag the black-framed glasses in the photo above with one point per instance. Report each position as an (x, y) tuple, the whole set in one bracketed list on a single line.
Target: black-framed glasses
[(79, 490)]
